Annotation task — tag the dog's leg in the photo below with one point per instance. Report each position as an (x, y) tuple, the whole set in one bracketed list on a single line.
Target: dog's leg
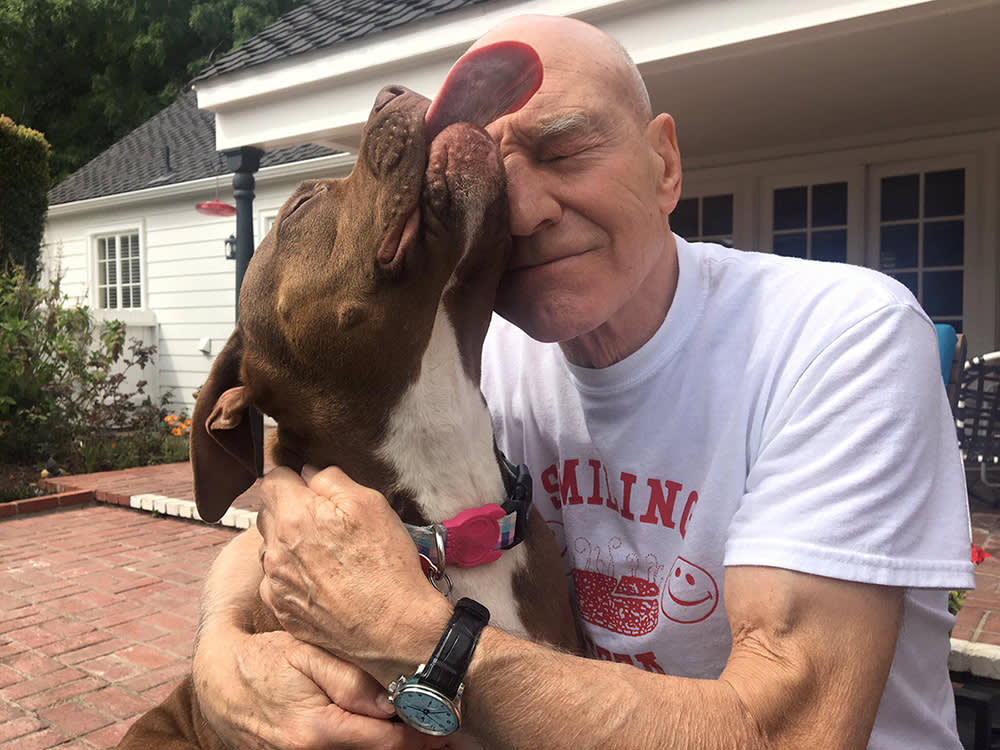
[(176, 724)]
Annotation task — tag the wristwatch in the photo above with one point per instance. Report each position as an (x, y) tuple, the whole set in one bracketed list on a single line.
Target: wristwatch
[(429, 701)]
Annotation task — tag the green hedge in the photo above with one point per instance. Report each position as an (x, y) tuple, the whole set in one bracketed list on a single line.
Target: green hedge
[(24, 187)]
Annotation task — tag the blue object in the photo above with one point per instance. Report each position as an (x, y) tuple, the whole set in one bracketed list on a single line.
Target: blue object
[(947, 338)]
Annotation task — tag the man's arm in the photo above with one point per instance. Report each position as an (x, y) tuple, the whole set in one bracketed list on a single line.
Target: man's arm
[(808, 665), (809, 662)]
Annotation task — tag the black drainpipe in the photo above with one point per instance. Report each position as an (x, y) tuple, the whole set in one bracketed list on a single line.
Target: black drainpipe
[(243, 162)]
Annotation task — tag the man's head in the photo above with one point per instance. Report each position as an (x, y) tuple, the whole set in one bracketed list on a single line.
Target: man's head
[(592, 176)]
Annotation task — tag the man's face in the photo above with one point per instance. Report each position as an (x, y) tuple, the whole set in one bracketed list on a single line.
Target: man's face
[(586, 201)]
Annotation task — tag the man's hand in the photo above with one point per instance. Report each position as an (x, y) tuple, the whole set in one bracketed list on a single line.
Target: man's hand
[(342, 573), (271, 690)]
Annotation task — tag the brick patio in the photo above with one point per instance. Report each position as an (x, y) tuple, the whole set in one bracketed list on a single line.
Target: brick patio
[(98, 606)]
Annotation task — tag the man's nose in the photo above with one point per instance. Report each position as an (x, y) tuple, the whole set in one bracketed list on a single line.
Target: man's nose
[(532, 202)]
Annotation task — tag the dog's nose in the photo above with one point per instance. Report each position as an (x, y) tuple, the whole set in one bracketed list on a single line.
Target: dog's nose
[(386, 95)]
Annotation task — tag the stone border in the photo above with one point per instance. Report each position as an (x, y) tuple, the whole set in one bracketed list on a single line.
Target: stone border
[(979, 659), (168, 506)]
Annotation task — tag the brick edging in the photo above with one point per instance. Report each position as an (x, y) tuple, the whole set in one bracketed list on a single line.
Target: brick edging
[(46, 502)]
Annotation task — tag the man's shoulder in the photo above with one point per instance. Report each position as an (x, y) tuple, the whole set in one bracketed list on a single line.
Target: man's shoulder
[(780, 286)]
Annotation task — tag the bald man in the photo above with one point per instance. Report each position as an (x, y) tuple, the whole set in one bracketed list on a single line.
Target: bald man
[(762, 446)]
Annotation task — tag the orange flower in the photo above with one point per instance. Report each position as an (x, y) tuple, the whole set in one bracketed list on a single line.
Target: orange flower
[(177, 431)]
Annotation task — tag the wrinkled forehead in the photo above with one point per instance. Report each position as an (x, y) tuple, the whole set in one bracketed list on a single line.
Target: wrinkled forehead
[(568, 105)]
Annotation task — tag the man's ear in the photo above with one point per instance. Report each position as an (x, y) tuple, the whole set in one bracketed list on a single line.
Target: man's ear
[(222, 454), (661, 134)]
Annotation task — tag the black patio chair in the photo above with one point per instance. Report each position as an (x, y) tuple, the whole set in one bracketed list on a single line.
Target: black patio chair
[(978, 417)]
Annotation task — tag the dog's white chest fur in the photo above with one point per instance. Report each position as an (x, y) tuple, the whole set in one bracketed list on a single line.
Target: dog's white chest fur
[(440, 442)]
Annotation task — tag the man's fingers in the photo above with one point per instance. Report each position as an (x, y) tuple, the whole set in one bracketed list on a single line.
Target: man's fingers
[(346, 685), (308, 472), (354, 730), (281, 485), (278, 483), (330, 482)]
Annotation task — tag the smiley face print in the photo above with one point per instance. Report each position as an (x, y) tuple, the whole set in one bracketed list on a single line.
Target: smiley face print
[(690, 594)]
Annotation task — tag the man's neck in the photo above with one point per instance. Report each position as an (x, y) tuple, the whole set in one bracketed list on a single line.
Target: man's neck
[(635, 322)]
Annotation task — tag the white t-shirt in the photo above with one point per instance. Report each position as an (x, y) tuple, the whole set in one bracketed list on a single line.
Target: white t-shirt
[(787, 413)]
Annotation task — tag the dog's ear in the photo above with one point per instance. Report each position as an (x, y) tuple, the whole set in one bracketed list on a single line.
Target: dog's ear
[(222, 454)]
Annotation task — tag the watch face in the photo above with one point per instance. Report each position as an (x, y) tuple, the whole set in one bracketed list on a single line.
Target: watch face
[(426, 710)]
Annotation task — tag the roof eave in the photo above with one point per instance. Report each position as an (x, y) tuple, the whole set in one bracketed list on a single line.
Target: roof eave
[(324, 96), (334, 165)]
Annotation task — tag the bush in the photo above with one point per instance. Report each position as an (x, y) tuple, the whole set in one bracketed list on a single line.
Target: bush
[(63, 386), (24, 185)]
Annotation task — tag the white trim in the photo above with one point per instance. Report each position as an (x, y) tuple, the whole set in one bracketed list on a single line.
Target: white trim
[(266, 216), (334, 165), (950, 135)]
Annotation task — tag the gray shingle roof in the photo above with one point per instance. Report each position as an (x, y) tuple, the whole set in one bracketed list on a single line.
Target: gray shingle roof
[(175, 145), (323, 23)]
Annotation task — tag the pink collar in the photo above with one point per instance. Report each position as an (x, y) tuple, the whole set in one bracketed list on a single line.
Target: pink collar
[(479, 535)]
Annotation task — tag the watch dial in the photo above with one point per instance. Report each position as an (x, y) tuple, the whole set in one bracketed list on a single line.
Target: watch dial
[(427, 711)]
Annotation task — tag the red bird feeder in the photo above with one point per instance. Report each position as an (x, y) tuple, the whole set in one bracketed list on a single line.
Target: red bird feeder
[(215, 208)]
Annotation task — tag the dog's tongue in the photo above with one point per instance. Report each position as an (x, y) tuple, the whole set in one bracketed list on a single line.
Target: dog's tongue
[(484, 84)]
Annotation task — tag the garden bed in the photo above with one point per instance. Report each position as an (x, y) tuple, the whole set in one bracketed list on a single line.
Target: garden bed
[(19, 482)]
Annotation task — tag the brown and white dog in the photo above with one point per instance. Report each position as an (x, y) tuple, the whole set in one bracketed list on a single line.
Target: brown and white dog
[(362, 319)]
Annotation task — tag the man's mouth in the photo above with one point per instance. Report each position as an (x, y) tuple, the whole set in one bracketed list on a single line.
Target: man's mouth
[(551, 260)]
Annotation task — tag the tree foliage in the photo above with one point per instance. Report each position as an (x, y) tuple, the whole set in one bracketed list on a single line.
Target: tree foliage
[(24, 185), (86, 72)]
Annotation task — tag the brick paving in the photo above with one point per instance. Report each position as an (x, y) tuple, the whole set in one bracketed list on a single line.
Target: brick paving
[(98, 607)]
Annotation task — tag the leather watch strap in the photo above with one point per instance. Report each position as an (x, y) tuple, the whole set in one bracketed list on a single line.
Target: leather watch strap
[(446, 668)]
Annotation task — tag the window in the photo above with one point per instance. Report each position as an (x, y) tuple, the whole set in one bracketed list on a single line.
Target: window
[(119, 275), (810, 221), (704, 219), (921, 237)]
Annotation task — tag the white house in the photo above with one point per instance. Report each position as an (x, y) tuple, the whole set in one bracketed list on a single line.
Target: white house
[(862, 131)]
